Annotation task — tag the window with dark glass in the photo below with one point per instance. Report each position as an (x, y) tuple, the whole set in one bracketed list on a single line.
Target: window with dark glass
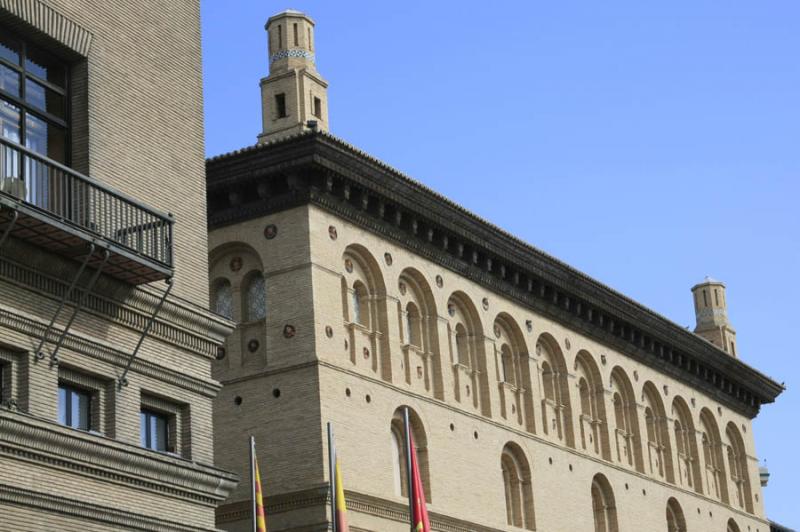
[(74, 407), (33, 113), (154, 430), (280, 105), (317, 107)]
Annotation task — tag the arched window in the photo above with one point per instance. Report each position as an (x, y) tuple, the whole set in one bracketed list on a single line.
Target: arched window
[(626, 421), (732, 526), (507, 363), (255, 298), (517, 488), (659, 451), (413, 325), (462, 346), (398, 441), (675, 519), (737, 465), (360, 303), (603, 506), (688, 464), (468, 353), (593, 424), (222, 298), (712, 457), (556, 407)]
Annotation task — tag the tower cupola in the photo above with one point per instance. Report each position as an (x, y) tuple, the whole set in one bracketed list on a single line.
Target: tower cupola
[(294, 97), (711, 313)]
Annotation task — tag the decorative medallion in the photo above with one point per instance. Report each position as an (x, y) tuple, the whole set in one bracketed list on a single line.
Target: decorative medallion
[(567, 344), (221, 353), (289, 331), (236, 264), (603, 359), (402, 288), (451, 309), (439, 281), (329, 331), (366, 353), (388, 258), (529, 325), (485, 303), (252, 345), (348, 265), (497, 331), (332, 232), (270, 231)]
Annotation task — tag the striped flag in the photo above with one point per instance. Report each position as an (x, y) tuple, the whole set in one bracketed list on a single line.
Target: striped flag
[(419, 508), (259, 517), (338, 505)]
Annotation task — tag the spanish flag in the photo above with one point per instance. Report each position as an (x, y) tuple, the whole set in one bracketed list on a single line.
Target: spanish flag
[(338, 504), (419, 508), (259, 518)]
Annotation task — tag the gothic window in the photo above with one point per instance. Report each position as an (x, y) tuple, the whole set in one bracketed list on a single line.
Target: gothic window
[(517, 488), (222, 298), (603, 506), (675, 519), (255, 297)]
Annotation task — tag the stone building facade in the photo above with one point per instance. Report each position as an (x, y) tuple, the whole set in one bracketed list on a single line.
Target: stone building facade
[(540, 398), (106, 384)]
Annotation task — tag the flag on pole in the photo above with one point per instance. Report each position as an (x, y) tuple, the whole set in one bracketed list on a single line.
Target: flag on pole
[(418, 508), (259, 517), (338, 505)]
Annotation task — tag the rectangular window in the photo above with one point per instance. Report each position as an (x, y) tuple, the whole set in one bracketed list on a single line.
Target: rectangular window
[(74, 407), (296, 40), (280, 105), (154, 430), (280, 36), (317, 107)]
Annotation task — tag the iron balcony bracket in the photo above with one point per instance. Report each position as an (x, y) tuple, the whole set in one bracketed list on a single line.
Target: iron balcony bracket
[(123, 381), (67, 294), (81, 300), (8, 230)]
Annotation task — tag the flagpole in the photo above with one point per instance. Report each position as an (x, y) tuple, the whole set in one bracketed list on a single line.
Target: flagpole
[(253, 482), (332, 475), (410, 488)]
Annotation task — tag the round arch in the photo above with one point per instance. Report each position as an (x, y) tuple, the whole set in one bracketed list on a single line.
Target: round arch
[(593, 420)]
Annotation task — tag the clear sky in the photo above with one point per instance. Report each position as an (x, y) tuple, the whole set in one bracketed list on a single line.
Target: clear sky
[(648, 144)]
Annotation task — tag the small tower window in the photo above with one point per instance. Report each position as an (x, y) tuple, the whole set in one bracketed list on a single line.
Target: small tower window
[(705, 298), (280, 105), (280, 36), (733, 348), (716, 296), (296, 39), (310, 45), (317, 107)]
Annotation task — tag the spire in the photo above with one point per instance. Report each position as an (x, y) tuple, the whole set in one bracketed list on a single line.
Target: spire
[(294, 97), (711, 313)]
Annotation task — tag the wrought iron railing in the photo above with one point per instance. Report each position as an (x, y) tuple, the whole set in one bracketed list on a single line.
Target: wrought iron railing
[(81, 201)]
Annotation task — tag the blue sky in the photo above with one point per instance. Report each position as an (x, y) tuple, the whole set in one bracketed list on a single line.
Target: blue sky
[(647, 144)]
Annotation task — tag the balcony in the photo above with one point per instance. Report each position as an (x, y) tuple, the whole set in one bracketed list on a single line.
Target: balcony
[(54, 207)]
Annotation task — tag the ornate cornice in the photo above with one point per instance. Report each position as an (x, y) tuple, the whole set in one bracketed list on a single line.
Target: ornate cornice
[(317, 168), (24, 437)]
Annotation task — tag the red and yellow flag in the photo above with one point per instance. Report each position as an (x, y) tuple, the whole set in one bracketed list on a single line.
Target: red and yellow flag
[(261, 520), (419, 508), (341, 506)]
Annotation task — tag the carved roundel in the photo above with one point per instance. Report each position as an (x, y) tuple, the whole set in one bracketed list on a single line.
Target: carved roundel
[(451, 309), (289, 331), (236, 264), (603, 360), (329, 331), (270, 231), (332, 232), (402, 288), (439, 281), (485, 303), (252, 345), (388, 258), (348, 265)]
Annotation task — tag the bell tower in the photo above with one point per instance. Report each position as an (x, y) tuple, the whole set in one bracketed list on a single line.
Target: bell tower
[(294, 97), (711, 312)]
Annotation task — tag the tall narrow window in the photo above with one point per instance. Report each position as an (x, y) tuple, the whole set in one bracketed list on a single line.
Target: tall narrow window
[(716, 296), (280, 36), (603, 506), (398, 462), (317, 107), (280, 105), (74, 407), (310, 44), (462, 348), (296, 39), (705, 298), (222, 298), (517, 488), (360, 304), (154, 430), (255, 298)]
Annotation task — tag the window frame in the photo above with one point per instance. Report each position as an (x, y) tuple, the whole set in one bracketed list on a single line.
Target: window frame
[(72, 390), (146, 413)]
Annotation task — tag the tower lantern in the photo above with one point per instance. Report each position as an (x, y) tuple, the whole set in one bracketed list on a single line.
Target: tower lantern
[(294, 97), (711, 313)]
